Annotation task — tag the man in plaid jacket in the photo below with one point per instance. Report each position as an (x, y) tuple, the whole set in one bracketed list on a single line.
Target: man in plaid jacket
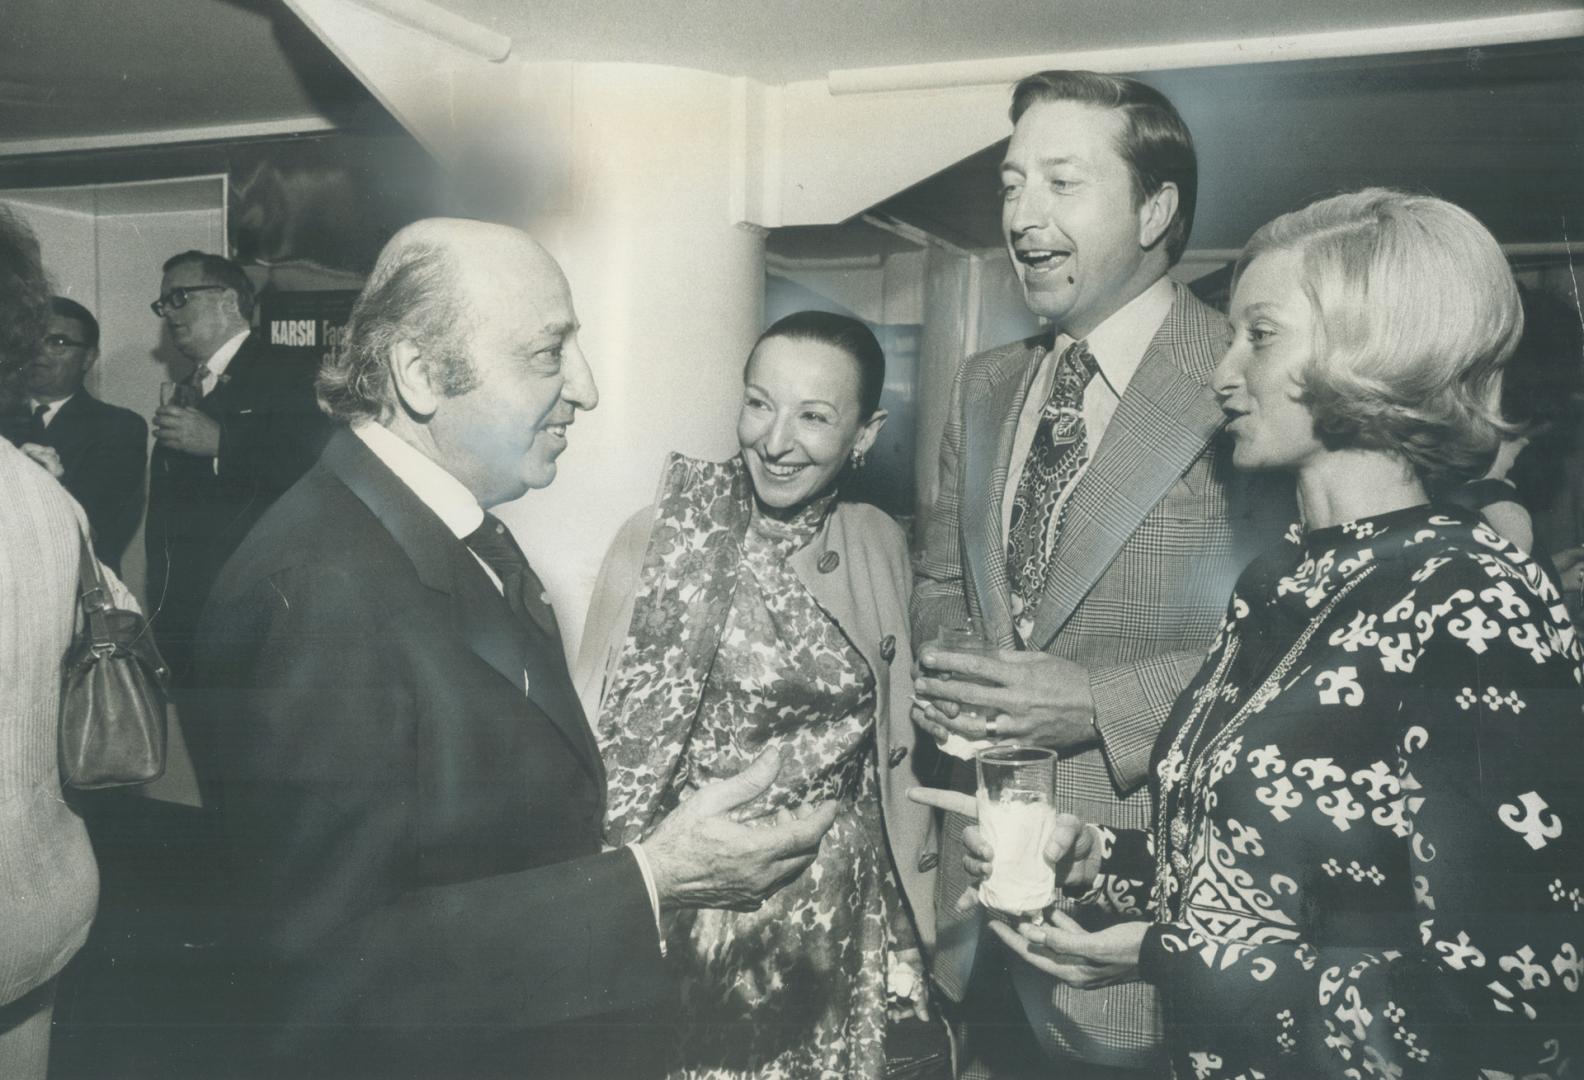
[(1088, 520)]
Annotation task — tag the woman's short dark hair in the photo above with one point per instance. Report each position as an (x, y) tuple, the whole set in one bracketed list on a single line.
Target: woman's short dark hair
[(24, 294), (842, 332), (1156, 143), (1416, 313), (218, 270)]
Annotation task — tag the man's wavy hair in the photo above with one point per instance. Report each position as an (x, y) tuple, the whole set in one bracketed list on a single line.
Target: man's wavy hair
[(1416, 312), (1156, 143), (24, 295), (414, 295)]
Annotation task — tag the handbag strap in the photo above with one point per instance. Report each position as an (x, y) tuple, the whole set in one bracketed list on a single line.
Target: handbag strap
[(93, 595)]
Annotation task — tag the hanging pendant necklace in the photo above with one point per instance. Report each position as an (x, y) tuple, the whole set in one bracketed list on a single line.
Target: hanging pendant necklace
[(1185, 777)]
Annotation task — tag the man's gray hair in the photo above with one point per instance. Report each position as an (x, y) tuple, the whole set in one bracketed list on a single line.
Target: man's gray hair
[(414, 294)]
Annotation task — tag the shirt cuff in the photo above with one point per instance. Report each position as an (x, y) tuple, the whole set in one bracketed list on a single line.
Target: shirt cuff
[(642, 860)]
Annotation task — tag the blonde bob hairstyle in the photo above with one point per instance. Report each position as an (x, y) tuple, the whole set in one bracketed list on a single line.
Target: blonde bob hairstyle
[(1416, 312)]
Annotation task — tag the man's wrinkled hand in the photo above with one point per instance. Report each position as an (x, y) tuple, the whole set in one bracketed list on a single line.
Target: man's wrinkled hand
[(189, 430), (702, 857), (1035, 697)]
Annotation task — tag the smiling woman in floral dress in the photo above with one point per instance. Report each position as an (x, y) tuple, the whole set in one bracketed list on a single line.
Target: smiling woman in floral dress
[(1368, 850), (749, 608)]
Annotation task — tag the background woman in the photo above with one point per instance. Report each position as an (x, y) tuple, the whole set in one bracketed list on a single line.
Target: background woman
[(747, 608), (48, 879), (1368, 850)]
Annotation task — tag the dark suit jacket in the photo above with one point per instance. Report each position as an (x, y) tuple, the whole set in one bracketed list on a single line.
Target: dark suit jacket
[(271, 431), (415, 841), (103, 449)]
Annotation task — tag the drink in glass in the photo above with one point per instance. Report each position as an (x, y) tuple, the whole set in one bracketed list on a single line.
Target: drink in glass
[(965, 638), (1018, 818)]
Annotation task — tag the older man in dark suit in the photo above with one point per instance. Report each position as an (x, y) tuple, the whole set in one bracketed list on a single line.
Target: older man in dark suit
[(411, 796), (103, 448), (1088, 520), (241, 428)]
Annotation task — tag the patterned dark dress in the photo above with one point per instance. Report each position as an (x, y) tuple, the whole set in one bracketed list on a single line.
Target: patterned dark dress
[(728, 653), (1368, 854)]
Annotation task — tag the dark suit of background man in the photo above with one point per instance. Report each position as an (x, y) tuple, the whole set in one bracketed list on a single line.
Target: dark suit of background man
[(1085, 518), (410, 795), (250, 431), (103, 448)]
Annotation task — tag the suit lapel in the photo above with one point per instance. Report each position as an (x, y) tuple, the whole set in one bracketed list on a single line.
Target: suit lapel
[(1162, 424), (990, 416), (481, 614)]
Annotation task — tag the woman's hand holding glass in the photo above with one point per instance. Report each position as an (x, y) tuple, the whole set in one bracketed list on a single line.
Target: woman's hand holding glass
[(1081, 958), (1063, 949), (1072, 852)]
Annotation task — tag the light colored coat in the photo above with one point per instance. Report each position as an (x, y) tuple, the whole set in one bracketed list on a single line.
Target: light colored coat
[(857, 569), (1135, 592), (49, 884)]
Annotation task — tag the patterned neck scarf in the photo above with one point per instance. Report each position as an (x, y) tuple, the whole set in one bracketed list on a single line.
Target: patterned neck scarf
[(704, 515)]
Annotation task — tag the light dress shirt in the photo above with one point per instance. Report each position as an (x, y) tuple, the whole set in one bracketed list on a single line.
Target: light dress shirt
[(50, 407), (1118, 346), (461, 513), (217, 363)]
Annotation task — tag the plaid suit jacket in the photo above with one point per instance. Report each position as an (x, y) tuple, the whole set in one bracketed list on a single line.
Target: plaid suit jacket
[(1154, 536)]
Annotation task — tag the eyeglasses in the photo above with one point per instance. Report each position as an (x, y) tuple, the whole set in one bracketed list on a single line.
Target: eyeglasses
[(177, 298), (61, 341)]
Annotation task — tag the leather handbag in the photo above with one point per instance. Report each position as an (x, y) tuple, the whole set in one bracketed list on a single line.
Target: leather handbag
[(113, 697)]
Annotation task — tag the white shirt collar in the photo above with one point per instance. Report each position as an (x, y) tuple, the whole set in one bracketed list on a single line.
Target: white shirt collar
[(221, 359), (51, 407), (1118, 344), (437, 489)]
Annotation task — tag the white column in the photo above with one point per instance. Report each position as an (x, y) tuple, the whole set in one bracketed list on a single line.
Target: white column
[(670, 294)]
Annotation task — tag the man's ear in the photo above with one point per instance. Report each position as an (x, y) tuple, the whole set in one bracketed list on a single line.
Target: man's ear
[(410, 377), (1156, 214), (90, 359), (232, 304)]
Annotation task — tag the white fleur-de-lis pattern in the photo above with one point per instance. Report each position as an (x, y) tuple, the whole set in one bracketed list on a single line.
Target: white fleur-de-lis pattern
[(1388, 880)]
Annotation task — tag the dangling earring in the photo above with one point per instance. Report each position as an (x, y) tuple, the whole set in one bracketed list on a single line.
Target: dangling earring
[(857, 458)]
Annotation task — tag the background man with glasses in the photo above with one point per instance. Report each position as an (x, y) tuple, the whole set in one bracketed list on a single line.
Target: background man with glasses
[(102, 447), (238, 431)]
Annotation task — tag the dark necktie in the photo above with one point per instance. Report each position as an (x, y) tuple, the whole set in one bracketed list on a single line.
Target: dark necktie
[(493, 542), (1059, 450), (36, 432), (196, 379)]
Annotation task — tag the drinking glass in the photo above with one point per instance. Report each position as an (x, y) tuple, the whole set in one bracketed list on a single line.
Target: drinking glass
[(1018, 817), (175, 393), (965, 637)]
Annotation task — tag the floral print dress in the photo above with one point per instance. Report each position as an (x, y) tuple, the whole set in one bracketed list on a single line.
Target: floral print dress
[(797, 988), (1368, 854), (727, 653)]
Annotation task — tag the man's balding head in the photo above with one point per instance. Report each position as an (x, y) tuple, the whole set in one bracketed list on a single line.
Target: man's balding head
[(427, 286), (463, 340)]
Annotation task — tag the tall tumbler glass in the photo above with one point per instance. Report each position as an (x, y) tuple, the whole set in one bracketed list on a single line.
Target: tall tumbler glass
[(1018, 817), (965, 637)]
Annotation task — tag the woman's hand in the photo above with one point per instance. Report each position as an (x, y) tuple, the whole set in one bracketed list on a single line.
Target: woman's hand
[(45, 457), (907, 987), (1072, 853), (1080, 958)]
